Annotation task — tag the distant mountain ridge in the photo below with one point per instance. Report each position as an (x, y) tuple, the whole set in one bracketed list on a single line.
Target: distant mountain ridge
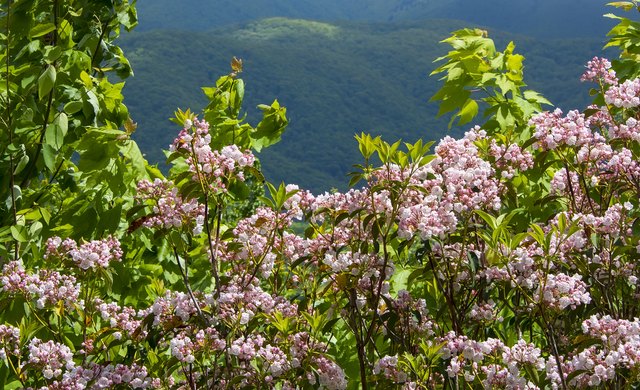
[(539, 18)]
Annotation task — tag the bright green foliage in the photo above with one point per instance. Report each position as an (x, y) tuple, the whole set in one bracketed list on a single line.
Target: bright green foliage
[(626, 36), (228, 126), (475, 67), (224, 115), (65, 131)]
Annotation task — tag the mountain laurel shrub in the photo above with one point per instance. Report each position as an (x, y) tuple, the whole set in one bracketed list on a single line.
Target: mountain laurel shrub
[(504, 259)]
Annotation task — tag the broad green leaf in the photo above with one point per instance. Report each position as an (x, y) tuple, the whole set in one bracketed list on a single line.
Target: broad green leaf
[(19, 233), (15, 384), (49, 156), (72, 107), (46, 81), (46, 215), (535, 96), (54, 136), (468, 111), (21, 164), (488, 218), (41, 29), (17, 194), (65, 32), (270, 128), (62, 122), (131, 151), (52, 53)]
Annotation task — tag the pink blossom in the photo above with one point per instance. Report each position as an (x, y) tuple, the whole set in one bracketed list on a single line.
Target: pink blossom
[(93, 254), (211, 167), (625, 95), (552, 130), (50, 357), (9, 341), (388, 367), (169, 208), (560, 291), (47, 287), (599, 71)]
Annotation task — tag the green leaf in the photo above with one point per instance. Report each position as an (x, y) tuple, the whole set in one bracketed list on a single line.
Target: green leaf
[(17, 194), (136, 158), (49, 156), (16, 384), (19, 233), (21, 164), (468, 111), (488, 218), (62, 122), (270, 128), (72, 107), (54, 136), (536, 97), (41, 29), (46, 81), (625, 5), (46, 215)]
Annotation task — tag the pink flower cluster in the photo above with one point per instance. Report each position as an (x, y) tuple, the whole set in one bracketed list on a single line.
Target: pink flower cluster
[(629, 130), (169, 208), (50, 357), (242, 303), (484, 312), (612, 222), (46, 287), (330, 375), (182, 348), (9, 341), (519, 268), (625, 95), (256, 236), (210, 166), (246, 348), (468, 181), (299, 203), (276, 361), (552, 130), (95, 377), (122, 318), (458, 180), (492, 362), (509, 158), (560, 291), (172, 304), (93, 254), (388, 367), (599, 71), (616, 350)]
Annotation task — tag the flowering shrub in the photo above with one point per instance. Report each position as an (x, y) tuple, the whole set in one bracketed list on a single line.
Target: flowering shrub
[(505, 259)]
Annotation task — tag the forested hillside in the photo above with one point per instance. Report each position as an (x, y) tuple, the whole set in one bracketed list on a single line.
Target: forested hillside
[(336, 79), (542, 18)]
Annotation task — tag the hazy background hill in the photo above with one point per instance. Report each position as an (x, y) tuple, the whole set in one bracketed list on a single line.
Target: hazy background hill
[(543, 18), (360, 72)]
